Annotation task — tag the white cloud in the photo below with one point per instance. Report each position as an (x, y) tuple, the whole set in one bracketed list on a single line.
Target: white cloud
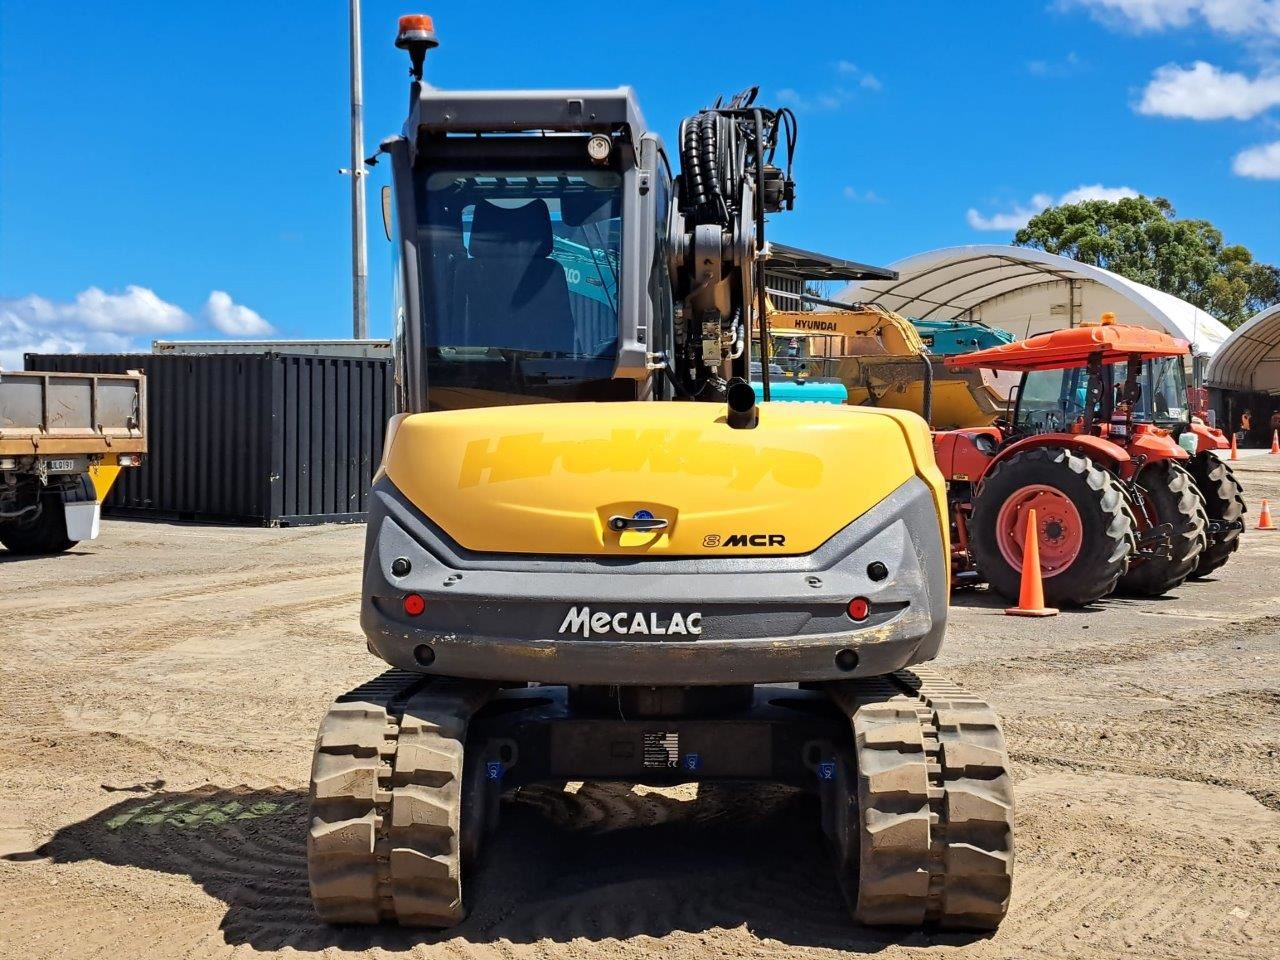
[(1096, 191), (137, 310), (94, 322), (234, 319), (832, 99), (1206, 92), (864, 196), (1261, 162), (1230, 17), (1017, 218), (790, 97), (100, 322), (1068, 66), (1014, 219)]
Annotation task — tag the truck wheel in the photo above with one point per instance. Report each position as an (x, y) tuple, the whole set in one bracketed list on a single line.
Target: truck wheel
[(1223, 500), (47, 533), (1171, 497), (1086, 535)]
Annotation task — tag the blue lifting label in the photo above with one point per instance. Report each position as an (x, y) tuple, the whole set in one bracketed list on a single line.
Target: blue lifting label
[(827, 770), (493, 769), (693, 761)]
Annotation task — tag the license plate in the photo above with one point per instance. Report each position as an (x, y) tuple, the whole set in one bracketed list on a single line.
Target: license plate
[(61, 466)]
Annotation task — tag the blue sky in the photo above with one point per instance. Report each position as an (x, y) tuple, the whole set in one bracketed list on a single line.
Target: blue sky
[(170, 170)]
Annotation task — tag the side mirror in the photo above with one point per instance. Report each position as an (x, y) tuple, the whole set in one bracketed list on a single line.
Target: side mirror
[(386, 211)]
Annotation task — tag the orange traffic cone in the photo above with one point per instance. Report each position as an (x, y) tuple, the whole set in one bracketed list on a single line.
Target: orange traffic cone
[(1264, 518), (1235, 454), (1031, 596), (1275, 442)]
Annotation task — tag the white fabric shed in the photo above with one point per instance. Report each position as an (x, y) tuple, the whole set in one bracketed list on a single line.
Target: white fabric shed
[(1027, 291), (1250, 358)]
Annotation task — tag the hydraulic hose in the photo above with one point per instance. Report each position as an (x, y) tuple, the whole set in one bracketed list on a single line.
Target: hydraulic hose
[(927, 386)]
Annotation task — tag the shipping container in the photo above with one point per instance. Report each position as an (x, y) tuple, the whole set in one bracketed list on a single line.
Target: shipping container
[(366, 349), (268, 438)]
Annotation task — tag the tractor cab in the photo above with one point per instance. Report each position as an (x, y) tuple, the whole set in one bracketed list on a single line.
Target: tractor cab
[(1102, 398), (1109, 381)]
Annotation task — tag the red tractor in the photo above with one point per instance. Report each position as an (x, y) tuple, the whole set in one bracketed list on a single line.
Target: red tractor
[(1101, 443)]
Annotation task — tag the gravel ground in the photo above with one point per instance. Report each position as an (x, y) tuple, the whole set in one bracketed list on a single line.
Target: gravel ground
[(161, 687)]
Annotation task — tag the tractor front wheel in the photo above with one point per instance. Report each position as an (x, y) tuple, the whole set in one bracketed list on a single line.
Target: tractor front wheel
[(1084, 530)]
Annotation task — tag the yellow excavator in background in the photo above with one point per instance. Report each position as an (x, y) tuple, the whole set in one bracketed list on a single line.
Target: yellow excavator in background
[(881, 360), (592, 555)]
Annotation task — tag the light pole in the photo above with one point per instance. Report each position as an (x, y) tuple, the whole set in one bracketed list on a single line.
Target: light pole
[(359, 251)]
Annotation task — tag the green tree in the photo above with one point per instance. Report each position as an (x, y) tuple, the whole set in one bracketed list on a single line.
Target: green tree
[(1143, 239)]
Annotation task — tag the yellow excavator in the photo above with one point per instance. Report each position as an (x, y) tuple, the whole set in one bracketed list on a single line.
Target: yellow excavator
[(882, 361), (592, 555)]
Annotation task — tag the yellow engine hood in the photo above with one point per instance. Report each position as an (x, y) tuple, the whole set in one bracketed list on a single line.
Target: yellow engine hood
[(547, 478)]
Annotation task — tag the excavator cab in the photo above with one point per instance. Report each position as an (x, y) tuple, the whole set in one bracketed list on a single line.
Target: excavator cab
[(679, 584), (534, 267)]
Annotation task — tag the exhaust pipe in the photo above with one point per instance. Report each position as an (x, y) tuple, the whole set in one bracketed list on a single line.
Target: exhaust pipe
[(743, 412)]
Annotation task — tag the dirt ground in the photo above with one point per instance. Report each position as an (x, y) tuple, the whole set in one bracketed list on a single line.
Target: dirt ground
[(160, 689)]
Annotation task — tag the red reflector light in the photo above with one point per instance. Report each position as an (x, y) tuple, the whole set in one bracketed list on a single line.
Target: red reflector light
[(859, 608), (414, 604)]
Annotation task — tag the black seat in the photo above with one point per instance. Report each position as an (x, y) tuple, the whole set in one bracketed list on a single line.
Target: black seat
[(510, 294)]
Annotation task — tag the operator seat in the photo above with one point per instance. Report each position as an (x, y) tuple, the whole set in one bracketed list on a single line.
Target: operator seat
[(510, 293)]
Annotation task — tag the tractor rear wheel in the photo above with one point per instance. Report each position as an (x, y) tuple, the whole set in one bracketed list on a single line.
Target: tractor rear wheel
[(1223, 504), (1171, 497), (1085, 533)]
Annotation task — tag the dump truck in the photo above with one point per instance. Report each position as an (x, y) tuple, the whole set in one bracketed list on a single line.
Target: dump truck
[(64, 438), (591, 554), (1100, 441)]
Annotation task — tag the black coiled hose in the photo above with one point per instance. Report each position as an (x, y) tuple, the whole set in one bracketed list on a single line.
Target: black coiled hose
[(693, 175)]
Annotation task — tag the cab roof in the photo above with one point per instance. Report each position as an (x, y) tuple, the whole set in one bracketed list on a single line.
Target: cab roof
[(524, 111), (1060, 349)]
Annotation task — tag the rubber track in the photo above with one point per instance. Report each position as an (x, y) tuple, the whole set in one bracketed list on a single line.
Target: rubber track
[(386, 799), (934, 804)]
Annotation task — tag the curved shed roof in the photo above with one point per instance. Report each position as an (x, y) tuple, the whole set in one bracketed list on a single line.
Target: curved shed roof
[(1027, 291), (1250, 357)]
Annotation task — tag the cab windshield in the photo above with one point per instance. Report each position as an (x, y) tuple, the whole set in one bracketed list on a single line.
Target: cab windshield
[(1051, 400), (1162, 391), (521, 271)]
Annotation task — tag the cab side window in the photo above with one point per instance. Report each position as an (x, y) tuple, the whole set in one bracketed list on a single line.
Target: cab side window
[(660, 296)]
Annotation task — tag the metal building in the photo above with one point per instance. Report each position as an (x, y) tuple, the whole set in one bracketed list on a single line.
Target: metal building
[(1027, 291)]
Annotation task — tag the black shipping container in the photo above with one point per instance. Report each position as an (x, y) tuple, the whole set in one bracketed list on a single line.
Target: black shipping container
[(269, 438)]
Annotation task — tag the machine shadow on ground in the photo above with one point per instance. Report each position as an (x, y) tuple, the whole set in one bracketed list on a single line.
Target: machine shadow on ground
[(983, 598), (604, 862), (7, 557)]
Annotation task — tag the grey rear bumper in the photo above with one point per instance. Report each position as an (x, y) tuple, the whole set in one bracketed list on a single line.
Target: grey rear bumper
[(760, 619)]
